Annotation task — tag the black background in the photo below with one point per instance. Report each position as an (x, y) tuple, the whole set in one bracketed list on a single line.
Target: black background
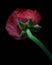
[(28, 49)]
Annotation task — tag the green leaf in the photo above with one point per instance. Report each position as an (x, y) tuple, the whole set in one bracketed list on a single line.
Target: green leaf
[(22, 25)]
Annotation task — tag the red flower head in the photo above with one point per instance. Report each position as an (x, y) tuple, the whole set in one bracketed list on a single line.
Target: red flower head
[(23, 15)]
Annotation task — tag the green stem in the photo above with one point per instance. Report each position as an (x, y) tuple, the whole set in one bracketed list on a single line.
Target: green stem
[(39, 43)]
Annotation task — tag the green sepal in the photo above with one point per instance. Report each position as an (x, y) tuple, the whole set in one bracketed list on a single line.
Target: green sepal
[(30, 23), (23, 33), (21, 25), (36, 28)]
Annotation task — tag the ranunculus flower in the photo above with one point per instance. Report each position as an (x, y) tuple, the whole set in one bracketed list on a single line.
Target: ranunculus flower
[(25, 21), (23, 15)]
